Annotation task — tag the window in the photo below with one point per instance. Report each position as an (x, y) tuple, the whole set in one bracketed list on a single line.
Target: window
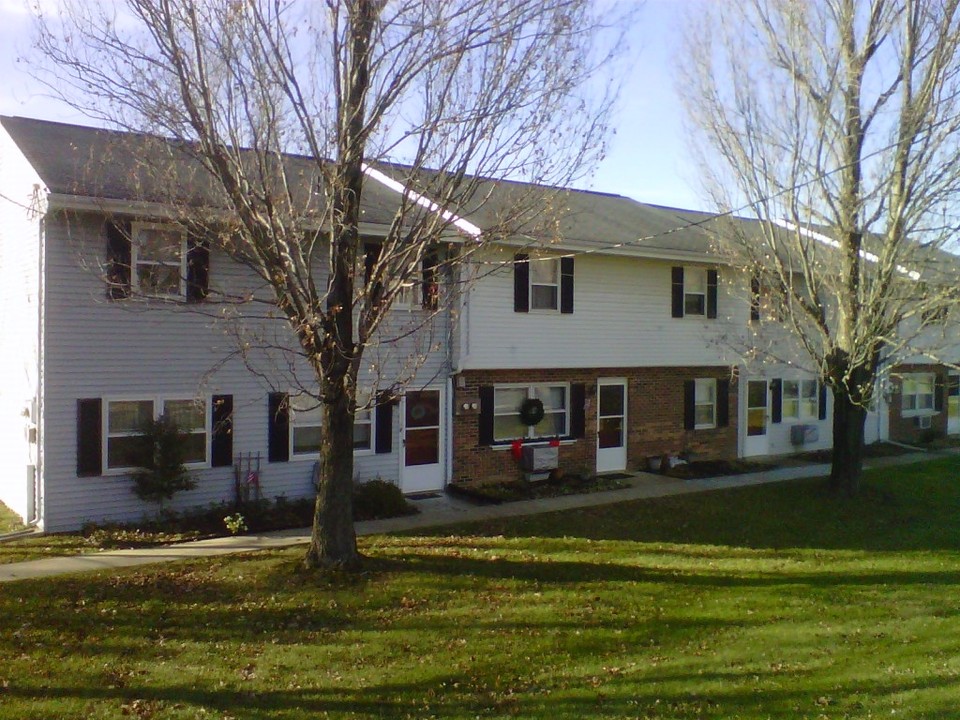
[(507, 400), (705, 403), (695, 291), (801, 400), (363, 430), (125, 420), (917, 391), (545, 284), (306, 415), (158, 259)]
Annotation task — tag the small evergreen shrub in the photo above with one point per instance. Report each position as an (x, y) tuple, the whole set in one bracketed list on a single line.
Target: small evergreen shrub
[(377, 499), (162, 472)]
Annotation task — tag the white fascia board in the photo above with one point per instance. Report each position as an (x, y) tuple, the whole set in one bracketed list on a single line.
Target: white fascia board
[(623, 250), (460, 223), (830, 242)]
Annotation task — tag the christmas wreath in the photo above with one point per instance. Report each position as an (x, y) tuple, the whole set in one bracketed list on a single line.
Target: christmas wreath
[(531, 411)]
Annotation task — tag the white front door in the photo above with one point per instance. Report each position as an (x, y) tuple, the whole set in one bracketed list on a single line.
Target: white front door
[(755, 442), (953, 404), (611, 424), (421, 468)]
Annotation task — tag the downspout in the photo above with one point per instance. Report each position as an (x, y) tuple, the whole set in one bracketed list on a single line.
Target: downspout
[(38, 485)]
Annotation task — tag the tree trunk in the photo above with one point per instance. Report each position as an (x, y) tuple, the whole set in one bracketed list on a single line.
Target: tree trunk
[(848, 421), (333, 541)]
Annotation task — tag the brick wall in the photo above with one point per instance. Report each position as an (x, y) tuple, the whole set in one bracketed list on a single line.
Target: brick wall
[(905, 429), (654, 420)]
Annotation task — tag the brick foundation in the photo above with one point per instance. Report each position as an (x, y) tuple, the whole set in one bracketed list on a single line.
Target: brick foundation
[(655, 420), (906, 429)]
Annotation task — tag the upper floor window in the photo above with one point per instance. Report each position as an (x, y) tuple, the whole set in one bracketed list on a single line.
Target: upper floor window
[(542, 283), (545, 284), (917, 391), (158, 260), (694, 292)]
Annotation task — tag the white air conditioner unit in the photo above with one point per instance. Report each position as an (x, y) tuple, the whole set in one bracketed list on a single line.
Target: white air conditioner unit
[(804, 434), (540, 459)]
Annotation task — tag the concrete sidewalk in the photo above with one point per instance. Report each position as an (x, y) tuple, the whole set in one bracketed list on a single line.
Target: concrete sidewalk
[(434, 512)]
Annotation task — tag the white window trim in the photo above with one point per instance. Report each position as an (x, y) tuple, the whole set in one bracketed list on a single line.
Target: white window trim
[(158, 404), (917, 411), (687, 270), (135, 261), (532, 284), (696, 387), (800, 417), (529, 387), (360, 452), (314, 454)]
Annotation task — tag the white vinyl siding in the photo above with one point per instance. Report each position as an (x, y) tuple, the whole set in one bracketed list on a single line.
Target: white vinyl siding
[(98, 348), (620, 321)]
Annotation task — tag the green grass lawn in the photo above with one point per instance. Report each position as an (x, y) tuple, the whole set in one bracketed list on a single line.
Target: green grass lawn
[(768, 602), (9, 520)]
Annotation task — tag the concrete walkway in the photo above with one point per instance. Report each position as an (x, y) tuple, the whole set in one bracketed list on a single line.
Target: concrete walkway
[(439, 511)]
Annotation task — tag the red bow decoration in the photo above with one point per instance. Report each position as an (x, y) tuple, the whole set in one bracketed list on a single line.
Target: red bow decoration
[(516, 448), (555, 443)]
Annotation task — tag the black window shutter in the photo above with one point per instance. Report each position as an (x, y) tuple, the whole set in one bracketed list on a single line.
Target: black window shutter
[(711, 293), (118, 259), (383, 419), (430, 287), (198, 269), (822, 407), (279, 428), (371, 253), (689, 404), (221, 441), (578, 424), (723, 402), (754, 299), (938, 393), (521, 283), (776, 400), (677, 291), (485, 421), (89, 437), (566, 285)]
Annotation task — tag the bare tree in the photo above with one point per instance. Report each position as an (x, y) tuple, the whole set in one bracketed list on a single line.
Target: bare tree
[(836, 124), (457, 90)]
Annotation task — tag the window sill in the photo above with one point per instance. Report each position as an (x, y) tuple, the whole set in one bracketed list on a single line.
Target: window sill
[(919, 413), (508, 444)]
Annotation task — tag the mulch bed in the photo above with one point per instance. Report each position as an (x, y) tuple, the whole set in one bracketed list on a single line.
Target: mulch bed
[(496, 493), (716, 468)]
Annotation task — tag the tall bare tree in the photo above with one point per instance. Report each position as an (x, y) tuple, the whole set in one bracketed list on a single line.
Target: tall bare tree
[(457, 90), (836, 124)]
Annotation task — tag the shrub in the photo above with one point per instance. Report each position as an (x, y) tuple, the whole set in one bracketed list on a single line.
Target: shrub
[(162, 472), (376, 499)]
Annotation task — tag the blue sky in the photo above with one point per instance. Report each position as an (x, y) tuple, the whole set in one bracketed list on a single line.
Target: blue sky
[(648, 158)]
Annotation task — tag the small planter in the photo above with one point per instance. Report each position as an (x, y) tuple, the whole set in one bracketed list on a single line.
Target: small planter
[(654, 463)]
